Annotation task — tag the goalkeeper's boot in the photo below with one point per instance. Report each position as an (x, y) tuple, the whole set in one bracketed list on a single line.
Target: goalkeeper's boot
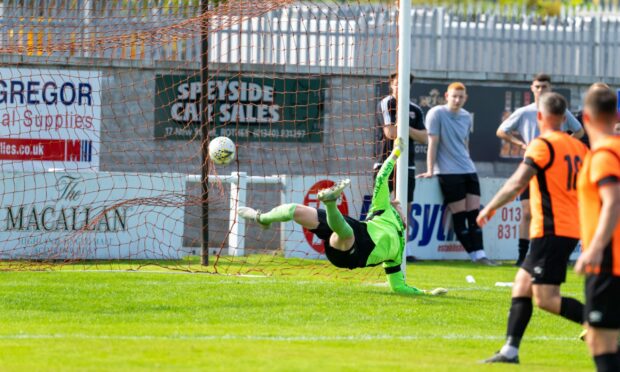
[(584, 333), (486, 262), (501, 358), (248, 213), (436, 292), (333, 193)]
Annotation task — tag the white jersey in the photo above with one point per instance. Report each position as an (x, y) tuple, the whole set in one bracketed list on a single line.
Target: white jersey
[(524, 121)]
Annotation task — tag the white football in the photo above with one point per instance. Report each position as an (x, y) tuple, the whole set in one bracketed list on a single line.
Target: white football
[(222, 150)]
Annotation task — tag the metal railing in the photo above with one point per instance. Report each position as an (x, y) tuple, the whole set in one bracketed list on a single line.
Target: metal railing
[(472, 39)]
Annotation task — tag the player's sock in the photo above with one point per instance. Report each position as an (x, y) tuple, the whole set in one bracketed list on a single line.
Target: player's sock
[(462, 234), (336, 221), (281, 213), (509, 351), (475, 232), (571, 309), (518, 319), (607, 362), (478, 255), (524, 246)]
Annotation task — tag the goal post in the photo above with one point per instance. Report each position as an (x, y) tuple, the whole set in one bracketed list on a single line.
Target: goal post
[(404, 69)]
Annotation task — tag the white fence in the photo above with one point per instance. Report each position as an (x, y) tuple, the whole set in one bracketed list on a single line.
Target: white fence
[(334, 35)]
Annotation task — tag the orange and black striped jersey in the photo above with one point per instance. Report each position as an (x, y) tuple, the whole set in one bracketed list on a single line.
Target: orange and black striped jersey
[(600, 167), (557, 158)]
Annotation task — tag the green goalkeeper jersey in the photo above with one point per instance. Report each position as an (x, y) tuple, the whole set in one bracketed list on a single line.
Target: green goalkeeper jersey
[(387, 231), (385, 227)]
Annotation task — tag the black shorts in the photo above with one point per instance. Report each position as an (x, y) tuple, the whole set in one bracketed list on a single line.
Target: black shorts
[(547, 259), (602, 308), (525, 195), (392, 181), (455, 187), (359, 252)]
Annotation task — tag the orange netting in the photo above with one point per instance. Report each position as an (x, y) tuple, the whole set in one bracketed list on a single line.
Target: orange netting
[(101, 145)]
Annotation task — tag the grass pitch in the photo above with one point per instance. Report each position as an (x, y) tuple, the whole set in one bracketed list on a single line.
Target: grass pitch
[(72, 319)]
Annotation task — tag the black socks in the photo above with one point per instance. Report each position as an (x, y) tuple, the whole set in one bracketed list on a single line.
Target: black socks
[(518, 319), (572, 309), (462, 234), (607, 362), (475, 232)]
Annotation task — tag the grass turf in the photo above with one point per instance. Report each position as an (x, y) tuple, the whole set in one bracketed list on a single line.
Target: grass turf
[(76, 319)]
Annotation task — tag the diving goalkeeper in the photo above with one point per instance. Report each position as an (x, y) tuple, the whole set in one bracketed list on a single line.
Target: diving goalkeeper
[(350, 243)]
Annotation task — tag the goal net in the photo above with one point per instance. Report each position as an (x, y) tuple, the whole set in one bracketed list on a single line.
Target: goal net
[(101, 144)]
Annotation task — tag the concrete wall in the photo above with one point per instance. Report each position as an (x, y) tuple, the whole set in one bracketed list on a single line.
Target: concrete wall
[(128, 144)]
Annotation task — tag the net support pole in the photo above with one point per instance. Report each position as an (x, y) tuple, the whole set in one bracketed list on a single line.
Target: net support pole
[(283, 200), (238, 197), (404, 69), (86, 29), (204, 129)]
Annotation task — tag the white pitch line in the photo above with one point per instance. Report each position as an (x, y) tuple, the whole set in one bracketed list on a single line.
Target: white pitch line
[(251, 276), (139, 271), (351, 338)]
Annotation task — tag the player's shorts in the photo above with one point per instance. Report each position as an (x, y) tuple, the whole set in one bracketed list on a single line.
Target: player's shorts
[(455, 187), (392, 181), (525, 195), (355, 257), (602, 308), (547, 259)]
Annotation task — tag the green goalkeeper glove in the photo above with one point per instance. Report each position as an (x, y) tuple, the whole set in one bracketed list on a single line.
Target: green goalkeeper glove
[(398, 285), (398, 148)]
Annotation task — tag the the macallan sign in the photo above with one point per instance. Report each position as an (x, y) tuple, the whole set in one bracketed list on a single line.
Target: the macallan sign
[(90, 215), (57, 217)]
